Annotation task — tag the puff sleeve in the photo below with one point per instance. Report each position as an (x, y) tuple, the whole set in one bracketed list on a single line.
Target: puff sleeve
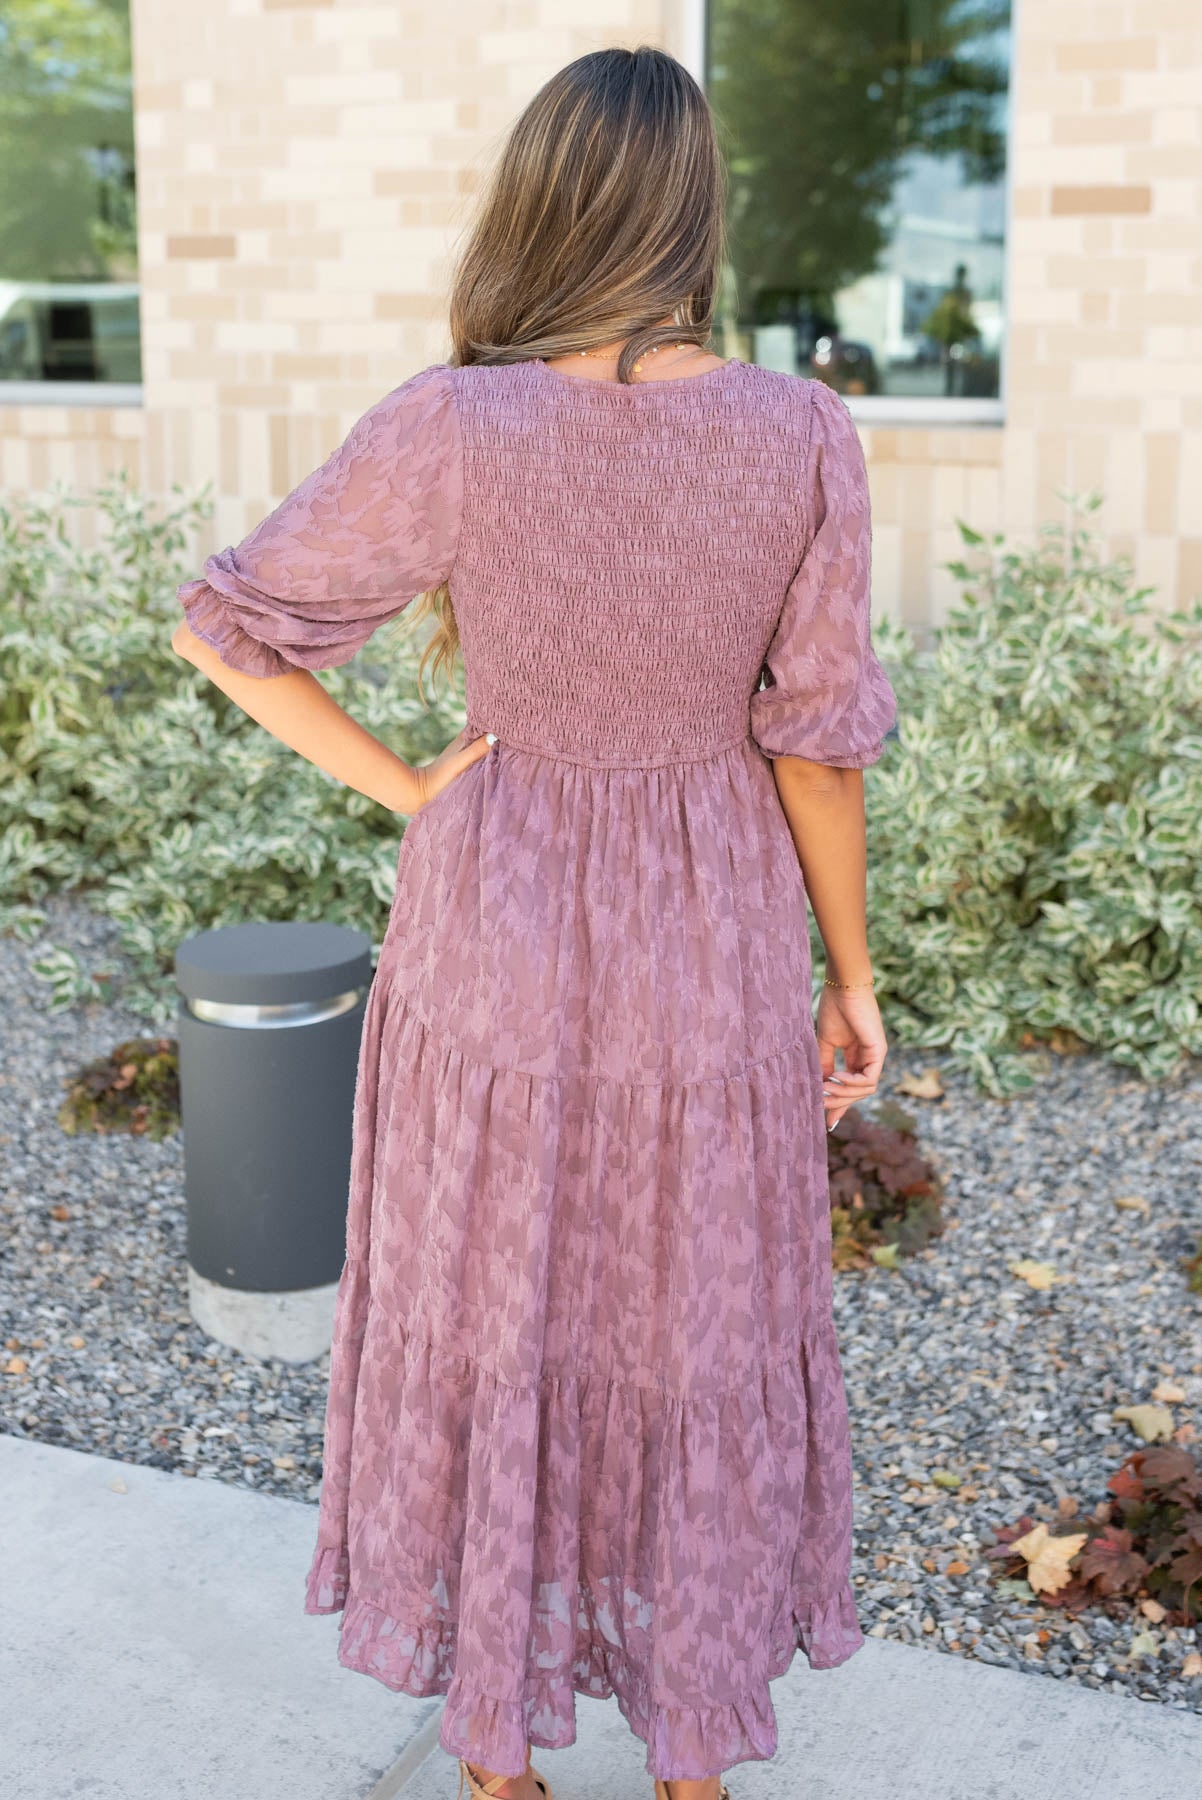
[(825, 696), (351, 545)]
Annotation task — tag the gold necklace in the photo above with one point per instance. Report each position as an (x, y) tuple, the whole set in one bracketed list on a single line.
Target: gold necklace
[(607, 355)]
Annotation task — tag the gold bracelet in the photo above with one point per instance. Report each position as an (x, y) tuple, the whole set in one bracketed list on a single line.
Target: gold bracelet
[(847, 985)]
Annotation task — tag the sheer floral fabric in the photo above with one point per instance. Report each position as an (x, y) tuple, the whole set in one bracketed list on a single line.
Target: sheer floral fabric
[(586, 1430)]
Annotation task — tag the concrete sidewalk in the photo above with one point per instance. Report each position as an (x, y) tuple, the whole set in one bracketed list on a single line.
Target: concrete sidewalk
[(153, 1647)]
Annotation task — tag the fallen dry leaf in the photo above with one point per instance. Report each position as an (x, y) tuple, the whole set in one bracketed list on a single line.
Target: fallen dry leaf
[(1035, 1274), (1152, 1609), (1154, 1424), (1048, 1557), (926, 1086), (956, 1568), (1168, 1390), (60, 1212)]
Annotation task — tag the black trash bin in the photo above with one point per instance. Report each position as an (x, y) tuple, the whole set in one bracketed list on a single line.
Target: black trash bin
[(269, 1030)]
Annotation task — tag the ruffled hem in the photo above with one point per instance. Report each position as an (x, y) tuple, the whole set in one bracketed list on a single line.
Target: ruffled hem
[(417, 1657), (207, 613), (607, 1537)]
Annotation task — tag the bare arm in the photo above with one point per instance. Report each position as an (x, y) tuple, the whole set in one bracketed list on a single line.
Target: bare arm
[(824, 807), (296, 709), (825, 812), (821, 715)]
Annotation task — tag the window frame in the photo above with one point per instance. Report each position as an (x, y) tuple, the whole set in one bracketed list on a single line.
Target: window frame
[(72, 393)]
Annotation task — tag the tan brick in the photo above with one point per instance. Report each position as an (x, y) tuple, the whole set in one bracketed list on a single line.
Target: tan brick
[(1164, 162), (1119, 54), (1126, 128), (1161, 459), (915, 575), (209, 246), (260, 398), (438, 183), (1189, 570), (885, 487), (1090, 271), (1096, 307), (1133, 198), (405, 306), (1028, 202), (1171, 15)]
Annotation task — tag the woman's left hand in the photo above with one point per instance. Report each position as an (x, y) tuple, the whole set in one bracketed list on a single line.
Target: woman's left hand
[(849, 1020)]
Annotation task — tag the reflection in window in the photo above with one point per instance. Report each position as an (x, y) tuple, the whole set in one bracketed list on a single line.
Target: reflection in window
[(68, 254), (866, 142)]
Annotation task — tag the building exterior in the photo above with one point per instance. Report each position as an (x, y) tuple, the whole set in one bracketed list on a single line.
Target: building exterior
[(304, 168)]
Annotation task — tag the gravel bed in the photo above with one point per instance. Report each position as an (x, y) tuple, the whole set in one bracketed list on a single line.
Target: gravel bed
[(953, 1365)]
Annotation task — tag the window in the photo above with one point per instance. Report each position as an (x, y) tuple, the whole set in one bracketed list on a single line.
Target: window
[(68, 254), (867, 148)]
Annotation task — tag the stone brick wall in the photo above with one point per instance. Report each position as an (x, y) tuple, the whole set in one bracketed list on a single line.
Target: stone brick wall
[(1105, 264), (306, 166)]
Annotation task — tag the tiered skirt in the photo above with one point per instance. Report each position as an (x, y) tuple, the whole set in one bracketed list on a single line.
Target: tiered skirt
[(586, 1430)]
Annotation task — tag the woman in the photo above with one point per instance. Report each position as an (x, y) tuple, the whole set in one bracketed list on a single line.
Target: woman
[(586, 1428)]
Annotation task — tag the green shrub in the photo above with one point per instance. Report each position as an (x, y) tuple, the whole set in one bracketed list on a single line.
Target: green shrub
[(1036, 860), (127, 774)]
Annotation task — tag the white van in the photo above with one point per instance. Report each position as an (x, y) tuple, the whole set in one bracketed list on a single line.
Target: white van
[(69, 331)]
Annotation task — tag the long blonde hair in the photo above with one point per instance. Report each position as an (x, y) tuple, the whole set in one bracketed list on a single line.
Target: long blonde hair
[(604, 216)]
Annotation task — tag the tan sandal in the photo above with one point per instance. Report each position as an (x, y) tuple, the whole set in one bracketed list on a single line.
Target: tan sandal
[(662, 1793), (493, 1788)]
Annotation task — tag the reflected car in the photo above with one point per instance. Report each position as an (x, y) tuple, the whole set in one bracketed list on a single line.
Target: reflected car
[(844, 364), (69, 331)]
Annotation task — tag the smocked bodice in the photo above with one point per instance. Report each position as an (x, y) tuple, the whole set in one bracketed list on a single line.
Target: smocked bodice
[(641, 574), (622, 556)]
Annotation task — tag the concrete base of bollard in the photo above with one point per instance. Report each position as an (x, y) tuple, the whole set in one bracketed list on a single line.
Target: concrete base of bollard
[(296, 1327)]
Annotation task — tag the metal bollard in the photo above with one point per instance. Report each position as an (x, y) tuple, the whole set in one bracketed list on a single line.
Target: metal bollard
[(269, 1029)]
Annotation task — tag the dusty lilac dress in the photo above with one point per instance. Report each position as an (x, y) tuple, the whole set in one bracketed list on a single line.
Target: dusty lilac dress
[(586, 1429)]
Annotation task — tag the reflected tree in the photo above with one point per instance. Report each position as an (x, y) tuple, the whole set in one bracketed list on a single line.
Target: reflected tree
[(66, 141), (820, 105)]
